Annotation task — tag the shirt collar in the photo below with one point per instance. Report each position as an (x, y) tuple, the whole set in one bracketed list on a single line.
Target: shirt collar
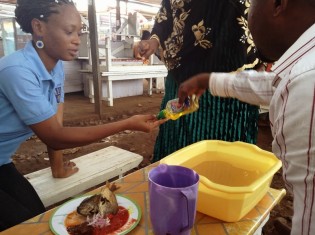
[(304, 44)]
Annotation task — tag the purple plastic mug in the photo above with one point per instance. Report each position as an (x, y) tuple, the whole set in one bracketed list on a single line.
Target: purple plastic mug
[(173, 194)]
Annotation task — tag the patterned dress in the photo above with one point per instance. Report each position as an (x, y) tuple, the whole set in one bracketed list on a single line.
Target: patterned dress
[(205, 36)]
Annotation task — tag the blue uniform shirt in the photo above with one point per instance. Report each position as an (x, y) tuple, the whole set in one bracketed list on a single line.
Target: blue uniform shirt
[(29, 94)]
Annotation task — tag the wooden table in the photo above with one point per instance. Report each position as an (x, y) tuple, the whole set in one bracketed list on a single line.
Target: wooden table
[(135, 186)]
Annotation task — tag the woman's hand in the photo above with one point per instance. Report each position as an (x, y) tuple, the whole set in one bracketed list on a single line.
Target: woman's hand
[(146, 48), (60, 168), (69, 168), (144, 123)]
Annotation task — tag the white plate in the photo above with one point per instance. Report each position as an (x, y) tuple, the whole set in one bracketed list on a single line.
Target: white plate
[(56, 221)]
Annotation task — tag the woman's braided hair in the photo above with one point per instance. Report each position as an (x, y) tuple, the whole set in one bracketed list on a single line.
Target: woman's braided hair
[(27, 10)]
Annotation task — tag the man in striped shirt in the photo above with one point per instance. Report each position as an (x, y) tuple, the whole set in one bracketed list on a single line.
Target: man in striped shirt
[(283, 31)]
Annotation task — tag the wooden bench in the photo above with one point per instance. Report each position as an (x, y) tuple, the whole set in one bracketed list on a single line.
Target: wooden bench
[(94, 168), (124, 73)]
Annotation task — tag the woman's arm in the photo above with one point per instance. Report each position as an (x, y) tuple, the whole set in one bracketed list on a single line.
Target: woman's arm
[(163, 24), (57, 137), (162, 28), (59, 167)]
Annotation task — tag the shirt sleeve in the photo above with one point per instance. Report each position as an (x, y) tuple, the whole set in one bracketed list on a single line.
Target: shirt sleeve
[(60, 67), (25, 94), (249, 86), (163, 22)]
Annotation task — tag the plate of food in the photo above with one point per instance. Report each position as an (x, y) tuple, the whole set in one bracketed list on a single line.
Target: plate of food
[(103, 213)]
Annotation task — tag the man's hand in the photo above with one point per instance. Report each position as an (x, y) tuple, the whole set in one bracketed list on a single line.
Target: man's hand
[(195, 85)]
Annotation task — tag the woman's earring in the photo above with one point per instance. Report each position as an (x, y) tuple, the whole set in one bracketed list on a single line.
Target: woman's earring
[(39, 44)]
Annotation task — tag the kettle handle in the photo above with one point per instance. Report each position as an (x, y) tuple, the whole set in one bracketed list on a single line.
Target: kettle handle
[(190, 196)]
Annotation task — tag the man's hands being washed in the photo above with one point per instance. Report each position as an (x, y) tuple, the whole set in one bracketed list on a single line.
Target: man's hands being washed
[(195, 85)]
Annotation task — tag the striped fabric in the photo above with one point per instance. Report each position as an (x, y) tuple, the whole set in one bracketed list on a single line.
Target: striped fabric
[(217, 118), (210, 36)]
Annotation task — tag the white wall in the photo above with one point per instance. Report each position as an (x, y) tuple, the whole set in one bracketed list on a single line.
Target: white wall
[(73, 78)]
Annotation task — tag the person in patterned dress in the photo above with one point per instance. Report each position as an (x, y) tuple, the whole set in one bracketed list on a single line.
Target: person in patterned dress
[(203, 36)]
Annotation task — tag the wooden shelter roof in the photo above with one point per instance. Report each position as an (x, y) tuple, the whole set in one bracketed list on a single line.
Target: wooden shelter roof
[(157, 2)]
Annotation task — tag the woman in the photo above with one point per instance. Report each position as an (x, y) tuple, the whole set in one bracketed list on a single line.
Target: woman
[(31, 96), (203, 36)]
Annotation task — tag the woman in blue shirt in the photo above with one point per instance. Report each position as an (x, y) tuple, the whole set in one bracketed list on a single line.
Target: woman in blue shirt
[(31, 97)]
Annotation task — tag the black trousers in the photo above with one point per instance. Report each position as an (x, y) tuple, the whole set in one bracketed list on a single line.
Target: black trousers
[(18, 199)]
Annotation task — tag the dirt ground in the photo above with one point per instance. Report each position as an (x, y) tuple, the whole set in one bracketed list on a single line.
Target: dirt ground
[(32, 154)]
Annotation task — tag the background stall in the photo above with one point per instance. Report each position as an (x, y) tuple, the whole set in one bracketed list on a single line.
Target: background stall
[(118, 26)]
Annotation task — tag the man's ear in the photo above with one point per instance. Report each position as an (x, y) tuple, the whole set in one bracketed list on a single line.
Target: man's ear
[(279, 7), (37, 27)]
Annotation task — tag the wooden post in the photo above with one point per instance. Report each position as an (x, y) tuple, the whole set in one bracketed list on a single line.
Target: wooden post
[(95, 57), (118, 20)]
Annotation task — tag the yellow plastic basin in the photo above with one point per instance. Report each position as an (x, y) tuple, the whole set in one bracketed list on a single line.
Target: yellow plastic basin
[(234, 176)]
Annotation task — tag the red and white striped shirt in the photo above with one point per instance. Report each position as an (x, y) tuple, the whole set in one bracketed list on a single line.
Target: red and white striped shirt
[(289, 90)]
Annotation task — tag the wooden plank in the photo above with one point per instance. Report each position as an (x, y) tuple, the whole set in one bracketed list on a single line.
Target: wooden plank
[(94, 168)]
